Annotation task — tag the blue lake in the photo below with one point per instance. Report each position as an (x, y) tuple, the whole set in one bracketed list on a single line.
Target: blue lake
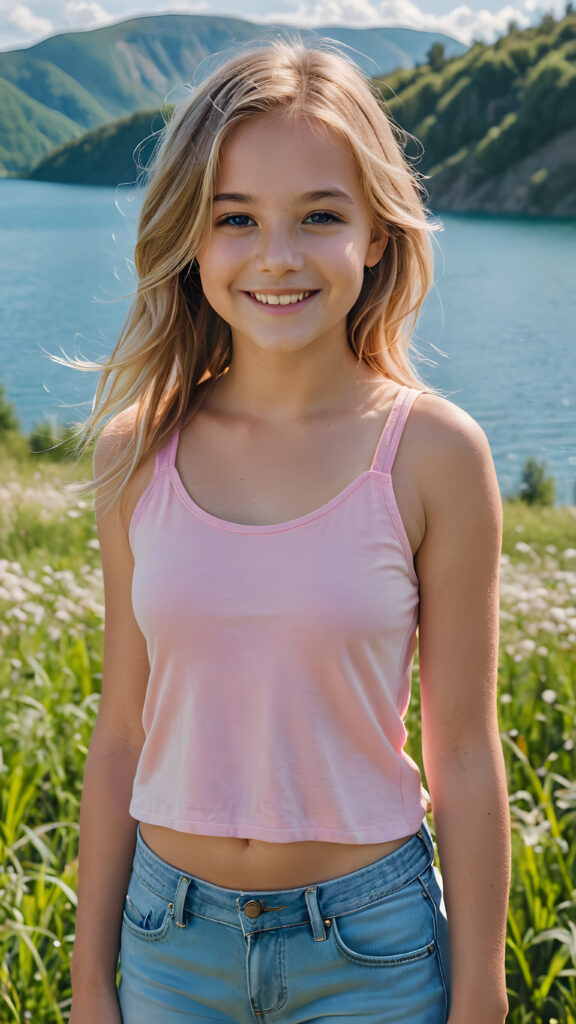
[(497, 333)]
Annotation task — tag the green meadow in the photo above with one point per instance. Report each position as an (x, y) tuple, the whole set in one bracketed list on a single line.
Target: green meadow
[(51, 633)]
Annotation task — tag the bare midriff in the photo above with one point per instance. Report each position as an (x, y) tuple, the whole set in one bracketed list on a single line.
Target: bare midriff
[(251, 864)]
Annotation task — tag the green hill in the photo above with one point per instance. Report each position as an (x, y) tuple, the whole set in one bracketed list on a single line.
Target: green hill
[(53, 88), (498, 124), (498, 127), (104, 155), (28, 128), (95, 77)]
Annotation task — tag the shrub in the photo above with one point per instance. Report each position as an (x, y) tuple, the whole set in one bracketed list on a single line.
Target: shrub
[(436, 56), (52, 440), (8, 419), (536, 488)]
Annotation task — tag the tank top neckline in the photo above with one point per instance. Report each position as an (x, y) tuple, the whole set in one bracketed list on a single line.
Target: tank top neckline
[(166, 461)]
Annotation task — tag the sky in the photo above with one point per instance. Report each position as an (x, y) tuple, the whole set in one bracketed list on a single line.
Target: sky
[(22, 24)]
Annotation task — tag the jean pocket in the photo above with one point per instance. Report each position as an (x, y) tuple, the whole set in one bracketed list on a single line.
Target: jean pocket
[(397, 929), (146, 914)]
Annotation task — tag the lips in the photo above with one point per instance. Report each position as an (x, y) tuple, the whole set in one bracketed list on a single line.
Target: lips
[(282, 302), (305, 292)]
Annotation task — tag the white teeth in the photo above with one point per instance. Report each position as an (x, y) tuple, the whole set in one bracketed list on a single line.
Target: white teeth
[(280, 300)]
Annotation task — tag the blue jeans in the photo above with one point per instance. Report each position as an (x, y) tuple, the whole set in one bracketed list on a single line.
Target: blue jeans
[(369, 946)]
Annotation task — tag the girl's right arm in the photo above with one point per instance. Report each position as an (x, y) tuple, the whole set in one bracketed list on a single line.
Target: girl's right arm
[(107, 832)]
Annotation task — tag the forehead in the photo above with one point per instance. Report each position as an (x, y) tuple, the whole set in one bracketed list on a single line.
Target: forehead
[(270, 153)]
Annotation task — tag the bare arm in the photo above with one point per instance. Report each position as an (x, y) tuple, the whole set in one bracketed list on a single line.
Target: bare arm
[(107, 832), (457, 565)]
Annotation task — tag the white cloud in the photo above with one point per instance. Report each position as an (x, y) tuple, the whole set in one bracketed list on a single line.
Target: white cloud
[(22, 26), (468, 25), (29, 24), (189, 7), (354, 13), (462, 22), (80, 14)]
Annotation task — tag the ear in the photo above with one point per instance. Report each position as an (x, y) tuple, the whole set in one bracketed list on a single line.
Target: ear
[(376, 248)]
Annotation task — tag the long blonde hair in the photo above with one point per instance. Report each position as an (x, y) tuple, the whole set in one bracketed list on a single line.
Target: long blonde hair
[(172, 339)]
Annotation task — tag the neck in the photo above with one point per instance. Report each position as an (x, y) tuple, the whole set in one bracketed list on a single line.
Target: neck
[(286, 386)]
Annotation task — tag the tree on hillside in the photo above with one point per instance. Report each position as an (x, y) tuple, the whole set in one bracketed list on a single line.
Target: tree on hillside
[(536, 488), (569, 9), (548, 23), (436, 56), (8, 419)]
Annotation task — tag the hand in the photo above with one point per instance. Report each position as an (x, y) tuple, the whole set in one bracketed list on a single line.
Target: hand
[(98, 1006), (479, 1006)]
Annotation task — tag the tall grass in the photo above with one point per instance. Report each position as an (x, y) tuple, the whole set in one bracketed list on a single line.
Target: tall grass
[(51, 623)]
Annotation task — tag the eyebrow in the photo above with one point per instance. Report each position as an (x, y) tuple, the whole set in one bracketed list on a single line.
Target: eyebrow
[(303, 197)]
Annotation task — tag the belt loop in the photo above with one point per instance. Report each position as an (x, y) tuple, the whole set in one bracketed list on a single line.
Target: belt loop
[(426, 837), (180, 899), (318, 929)]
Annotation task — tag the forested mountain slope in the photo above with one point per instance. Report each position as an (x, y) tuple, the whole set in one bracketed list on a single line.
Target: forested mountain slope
[(62, 87), (498, 124), (104, 156), (495, 126)]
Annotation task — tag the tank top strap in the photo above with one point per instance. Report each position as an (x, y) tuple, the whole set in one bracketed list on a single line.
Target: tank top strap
[(166, 456), (390, 439)]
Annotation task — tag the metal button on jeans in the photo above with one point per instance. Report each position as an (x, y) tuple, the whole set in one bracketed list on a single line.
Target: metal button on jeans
[(252, 908), (255, 907)]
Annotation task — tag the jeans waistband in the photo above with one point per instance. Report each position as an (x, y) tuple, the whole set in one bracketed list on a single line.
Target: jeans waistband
[(284, 907)]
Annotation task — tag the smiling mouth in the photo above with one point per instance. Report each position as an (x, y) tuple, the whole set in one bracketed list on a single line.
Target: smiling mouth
[(281, 300)]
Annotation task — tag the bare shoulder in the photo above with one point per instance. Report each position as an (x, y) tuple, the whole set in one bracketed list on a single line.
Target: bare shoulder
[(109, 446), (449, 428), (113, 439), (450, 456)]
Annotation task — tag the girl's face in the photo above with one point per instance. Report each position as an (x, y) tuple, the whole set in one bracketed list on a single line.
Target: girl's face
[(291, 234)]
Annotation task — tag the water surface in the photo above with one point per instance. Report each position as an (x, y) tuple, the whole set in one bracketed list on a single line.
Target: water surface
[(497, 333)]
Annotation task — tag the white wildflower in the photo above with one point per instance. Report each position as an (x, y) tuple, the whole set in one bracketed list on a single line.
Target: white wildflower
[(17, 613), (525, 548), (549, 696), (547, 626)]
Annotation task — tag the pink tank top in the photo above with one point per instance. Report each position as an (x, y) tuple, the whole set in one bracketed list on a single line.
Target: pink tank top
[(280, 663)]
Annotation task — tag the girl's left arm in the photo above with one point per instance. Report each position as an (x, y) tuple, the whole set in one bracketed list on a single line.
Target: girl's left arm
[(457, 566)]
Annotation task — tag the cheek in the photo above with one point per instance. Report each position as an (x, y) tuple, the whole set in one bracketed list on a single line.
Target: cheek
[(347, 269), (221, 260), (354, 255), (214, 267), (344, 259)]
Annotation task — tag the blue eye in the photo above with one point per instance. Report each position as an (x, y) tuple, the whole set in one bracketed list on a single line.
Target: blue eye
[(236, 220), (332, 218)]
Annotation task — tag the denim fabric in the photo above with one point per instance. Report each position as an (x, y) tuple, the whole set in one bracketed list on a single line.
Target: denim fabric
[(369, 946)]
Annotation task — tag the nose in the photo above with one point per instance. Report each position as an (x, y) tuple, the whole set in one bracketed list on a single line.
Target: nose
[(278, 251)]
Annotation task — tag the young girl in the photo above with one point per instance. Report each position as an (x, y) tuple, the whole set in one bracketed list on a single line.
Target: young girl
[(281, 503)]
